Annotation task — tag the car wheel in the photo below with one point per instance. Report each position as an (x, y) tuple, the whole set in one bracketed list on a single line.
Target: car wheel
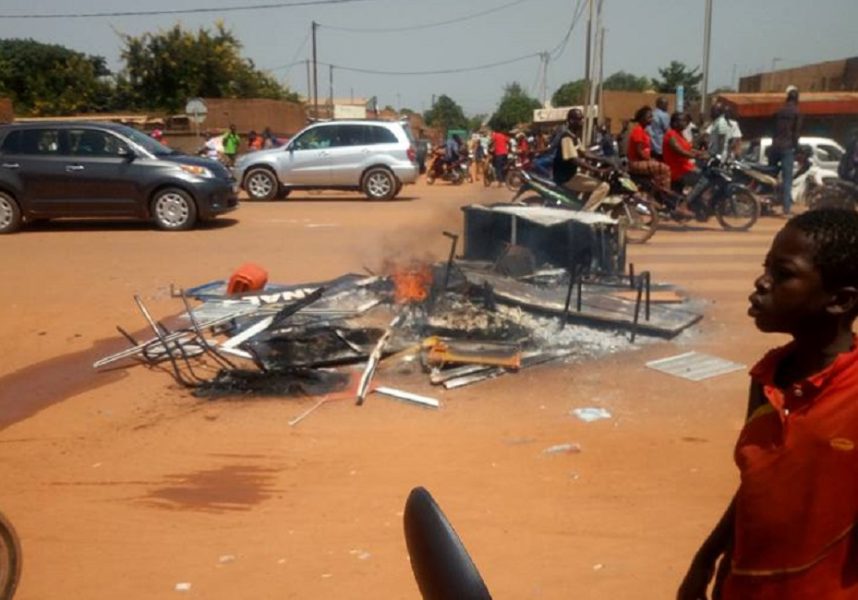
[(283, 193), (10, 214), (261, 184), (379, 184), (174, 210)]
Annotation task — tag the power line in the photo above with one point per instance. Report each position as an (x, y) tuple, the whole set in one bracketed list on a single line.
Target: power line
[(425, 25), (439, 71), (187, 11), (558, 50)]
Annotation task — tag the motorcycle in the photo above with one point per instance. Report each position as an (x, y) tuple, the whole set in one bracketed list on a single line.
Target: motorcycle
[(808, 187), (441, 168), (541, 165), (624, 202), (714, 194)]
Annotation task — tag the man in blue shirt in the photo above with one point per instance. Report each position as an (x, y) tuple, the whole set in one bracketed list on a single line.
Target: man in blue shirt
[(659, 127)]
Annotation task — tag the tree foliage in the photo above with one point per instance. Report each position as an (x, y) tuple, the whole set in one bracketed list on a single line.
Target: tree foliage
[(626, 82), (445, 114), (47, 79), (676, 74), (164, 69), (515, 107), (477, 121), (570, 93)]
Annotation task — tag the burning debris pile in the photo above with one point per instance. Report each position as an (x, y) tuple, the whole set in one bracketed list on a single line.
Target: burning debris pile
[(463, 321)]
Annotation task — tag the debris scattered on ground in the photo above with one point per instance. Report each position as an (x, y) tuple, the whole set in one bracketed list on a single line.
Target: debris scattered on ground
[(563, 449), (590, 414), (695, 366), (534, 286), (183, 587)]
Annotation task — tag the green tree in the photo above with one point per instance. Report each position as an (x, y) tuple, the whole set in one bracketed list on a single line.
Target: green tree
[(164, 69), (445, 114), (476, 122), (515, 107), (626, 82), (570, 93), (676, 74), (47, 79)]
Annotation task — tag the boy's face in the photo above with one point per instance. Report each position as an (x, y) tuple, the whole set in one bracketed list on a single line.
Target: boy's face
[(789, 297)]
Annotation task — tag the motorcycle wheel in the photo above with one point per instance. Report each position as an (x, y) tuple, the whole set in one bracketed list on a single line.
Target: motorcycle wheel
[(640, 216), (430, 179), (738, 210), (10, 559), (488, 178), (513, 180)]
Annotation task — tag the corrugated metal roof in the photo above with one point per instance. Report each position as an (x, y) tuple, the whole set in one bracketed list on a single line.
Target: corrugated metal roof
[(810, 103)]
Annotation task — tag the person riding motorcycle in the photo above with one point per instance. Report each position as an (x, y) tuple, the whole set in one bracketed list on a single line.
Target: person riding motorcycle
[(847, 169), (569, 159)]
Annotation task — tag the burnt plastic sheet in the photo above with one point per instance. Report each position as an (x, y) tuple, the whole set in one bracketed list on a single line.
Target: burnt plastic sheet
[(314, 347), (289, 383)]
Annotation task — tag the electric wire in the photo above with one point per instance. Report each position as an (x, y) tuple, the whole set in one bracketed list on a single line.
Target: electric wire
[(558, 50), (182, 11), (461, 19)]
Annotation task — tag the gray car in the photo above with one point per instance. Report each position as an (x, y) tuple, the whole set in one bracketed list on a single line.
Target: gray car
[(77, 169), (374, 157)]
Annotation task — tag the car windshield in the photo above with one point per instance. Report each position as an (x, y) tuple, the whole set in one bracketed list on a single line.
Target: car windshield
[(147, 143)]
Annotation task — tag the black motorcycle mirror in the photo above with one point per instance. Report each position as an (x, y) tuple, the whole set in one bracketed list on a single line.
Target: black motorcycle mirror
[(442, 567)]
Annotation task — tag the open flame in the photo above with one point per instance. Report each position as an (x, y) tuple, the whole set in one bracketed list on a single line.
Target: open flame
[(411, 281)]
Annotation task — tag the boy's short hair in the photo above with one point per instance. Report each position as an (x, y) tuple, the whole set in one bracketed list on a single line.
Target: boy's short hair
[(834, 233)]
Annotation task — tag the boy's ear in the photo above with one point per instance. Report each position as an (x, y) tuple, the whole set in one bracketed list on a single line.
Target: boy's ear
[(844, 301)]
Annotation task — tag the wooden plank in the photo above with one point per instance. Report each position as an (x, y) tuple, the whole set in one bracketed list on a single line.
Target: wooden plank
[(656, 296)]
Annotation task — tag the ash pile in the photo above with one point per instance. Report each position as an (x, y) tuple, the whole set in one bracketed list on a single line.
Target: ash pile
[(531, 287)]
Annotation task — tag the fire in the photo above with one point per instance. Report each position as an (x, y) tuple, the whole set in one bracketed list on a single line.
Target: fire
[(411, 282)]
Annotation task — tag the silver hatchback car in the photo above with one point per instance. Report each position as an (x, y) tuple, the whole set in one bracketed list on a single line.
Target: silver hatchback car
[(374, 157)]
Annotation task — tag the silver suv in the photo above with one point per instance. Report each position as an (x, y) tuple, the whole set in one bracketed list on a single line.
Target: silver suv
[(375, 157)]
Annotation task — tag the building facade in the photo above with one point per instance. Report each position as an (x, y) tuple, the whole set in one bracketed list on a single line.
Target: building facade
[(829, 76)]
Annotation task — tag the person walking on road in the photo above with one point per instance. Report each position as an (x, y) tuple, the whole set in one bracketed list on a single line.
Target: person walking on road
[(785, 142), (499, 147), (231, 142)]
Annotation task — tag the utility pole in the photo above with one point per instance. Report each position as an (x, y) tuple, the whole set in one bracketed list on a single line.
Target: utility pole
[(599, 99), (707, 38), (542, 85), (591, 68), (315, 74), (589, 41), (331, 88), (309, 81)]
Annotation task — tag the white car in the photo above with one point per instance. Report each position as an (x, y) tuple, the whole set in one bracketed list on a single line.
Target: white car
[(826, 152), (374, 157)]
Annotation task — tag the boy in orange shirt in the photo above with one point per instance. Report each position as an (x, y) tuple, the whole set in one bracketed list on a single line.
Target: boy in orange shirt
[(790, 531)]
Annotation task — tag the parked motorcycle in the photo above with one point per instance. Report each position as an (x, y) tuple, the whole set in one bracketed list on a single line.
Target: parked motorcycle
[(807, 187), (714, 194), (624, 202)]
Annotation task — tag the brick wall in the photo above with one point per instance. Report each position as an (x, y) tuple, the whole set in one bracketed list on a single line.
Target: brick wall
[(7, 115)]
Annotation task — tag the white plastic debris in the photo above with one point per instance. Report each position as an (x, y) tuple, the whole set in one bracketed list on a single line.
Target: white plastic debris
[(563, 449), (183, 586), (590, 414)]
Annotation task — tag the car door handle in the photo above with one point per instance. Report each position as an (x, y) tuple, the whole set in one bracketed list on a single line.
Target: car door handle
[(11, 166), (74, 167)]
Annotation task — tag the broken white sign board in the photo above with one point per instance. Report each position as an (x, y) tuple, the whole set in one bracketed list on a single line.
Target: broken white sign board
[(695, 366)]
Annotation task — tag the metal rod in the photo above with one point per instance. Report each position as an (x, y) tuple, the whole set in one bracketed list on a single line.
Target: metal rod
[(637, 311), (205, 344), (453, 245), (161, 337)]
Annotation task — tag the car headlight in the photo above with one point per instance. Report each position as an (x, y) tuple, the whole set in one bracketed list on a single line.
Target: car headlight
[(197, 171)]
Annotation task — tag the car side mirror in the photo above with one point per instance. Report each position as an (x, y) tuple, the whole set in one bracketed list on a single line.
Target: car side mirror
[(126, 153)]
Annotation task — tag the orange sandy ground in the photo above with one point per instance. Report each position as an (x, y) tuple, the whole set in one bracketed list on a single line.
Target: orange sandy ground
[(122, 485)]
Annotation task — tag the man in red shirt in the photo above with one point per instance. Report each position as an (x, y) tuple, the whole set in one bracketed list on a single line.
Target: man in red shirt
[(790, 531), (499, 147)]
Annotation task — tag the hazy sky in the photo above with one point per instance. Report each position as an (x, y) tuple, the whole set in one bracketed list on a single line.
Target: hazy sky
[(642, 35)]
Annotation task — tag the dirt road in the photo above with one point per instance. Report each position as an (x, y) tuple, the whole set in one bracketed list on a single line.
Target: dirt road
[(122, 485)]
